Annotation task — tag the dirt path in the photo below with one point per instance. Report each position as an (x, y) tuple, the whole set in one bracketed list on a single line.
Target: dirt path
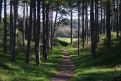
[(66, 69)]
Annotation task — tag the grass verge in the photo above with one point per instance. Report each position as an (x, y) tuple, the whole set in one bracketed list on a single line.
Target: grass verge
[(106, 67), (21, 71)]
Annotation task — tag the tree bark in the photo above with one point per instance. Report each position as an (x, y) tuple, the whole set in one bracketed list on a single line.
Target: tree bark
[(83, 31), (29, 33), (79, 27), (108, 27), (93, 32), (14, 31), (71, 22), (38, 34), (5, 27), (1, 1)]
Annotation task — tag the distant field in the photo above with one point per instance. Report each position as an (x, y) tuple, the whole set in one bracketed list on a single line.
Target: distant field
[(68, 40)]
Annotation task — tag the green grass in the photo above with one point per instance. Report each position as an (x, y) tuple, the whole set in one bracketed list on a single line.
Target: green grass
[(104, 68), (68, 40), (21, 71)]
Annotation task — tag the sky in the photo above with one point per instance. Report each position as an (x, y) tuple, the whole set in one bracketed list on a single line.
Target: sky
[(20, 11)]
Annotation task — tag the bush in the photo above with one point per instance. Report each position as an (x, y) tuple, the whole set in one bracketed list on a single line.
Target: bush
[(75, 44), (57, 42)]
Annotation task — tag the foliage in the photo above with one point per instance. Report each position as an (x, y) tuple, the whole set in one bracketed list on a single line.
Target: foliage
[(66, 39), (57, 42)]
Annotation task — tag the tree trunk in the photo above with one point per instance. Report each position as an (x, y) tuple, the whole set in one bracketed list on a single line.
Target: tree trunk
[(108, 27), (117, 18), (93, 32), (71, 22), (120, 17), (38, 34), (44, 31), (83, 32), (96, 22), (101, 21), (51, 29), (29, 33), (86, 23), (1, 1), (79, 27), (11, 26), (24, 23), (14, 31), (5, 27), (47, 31)]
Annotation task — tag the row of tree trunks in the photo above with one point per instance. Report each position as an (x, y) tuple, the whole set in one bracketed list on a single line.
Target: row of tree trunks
[(46, 30), (36, 30), (32, 24)]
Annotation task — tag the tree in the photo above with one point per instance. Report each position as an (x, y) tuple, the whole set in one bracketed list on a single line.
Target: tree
[(11, 26), (117, 18), (108, 27), (93, 32), (47, 32), (45, 29), (5, 27), (86, 22), (78, 27), (83, 32), (29, 33), (36, 29), (120, 17), (24, 21), (71, 24), (96, 21), (13, 39), (1, 1), (38, 33)]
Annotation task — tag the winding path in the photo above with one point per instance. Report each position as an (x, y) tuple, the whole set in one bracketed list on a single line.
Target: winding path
[(66, 70)]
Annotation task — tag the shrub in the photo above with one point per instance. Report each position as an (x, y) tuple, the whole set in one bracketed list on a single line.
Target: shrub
[(57, 42)]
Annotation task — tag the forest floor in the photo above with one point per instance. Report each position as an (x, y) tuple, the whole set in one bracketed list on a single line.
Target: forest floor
[(66, 70), (106, 67), (20, 71)]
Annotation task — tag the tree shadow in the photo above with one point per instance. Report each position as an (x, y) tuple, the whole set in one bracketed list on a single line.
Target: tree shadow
[(104, 68), (98, 76)]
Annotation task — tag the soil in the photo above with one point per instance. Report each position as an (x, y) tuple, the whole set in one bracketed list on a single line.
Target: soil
[(66, 71)]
